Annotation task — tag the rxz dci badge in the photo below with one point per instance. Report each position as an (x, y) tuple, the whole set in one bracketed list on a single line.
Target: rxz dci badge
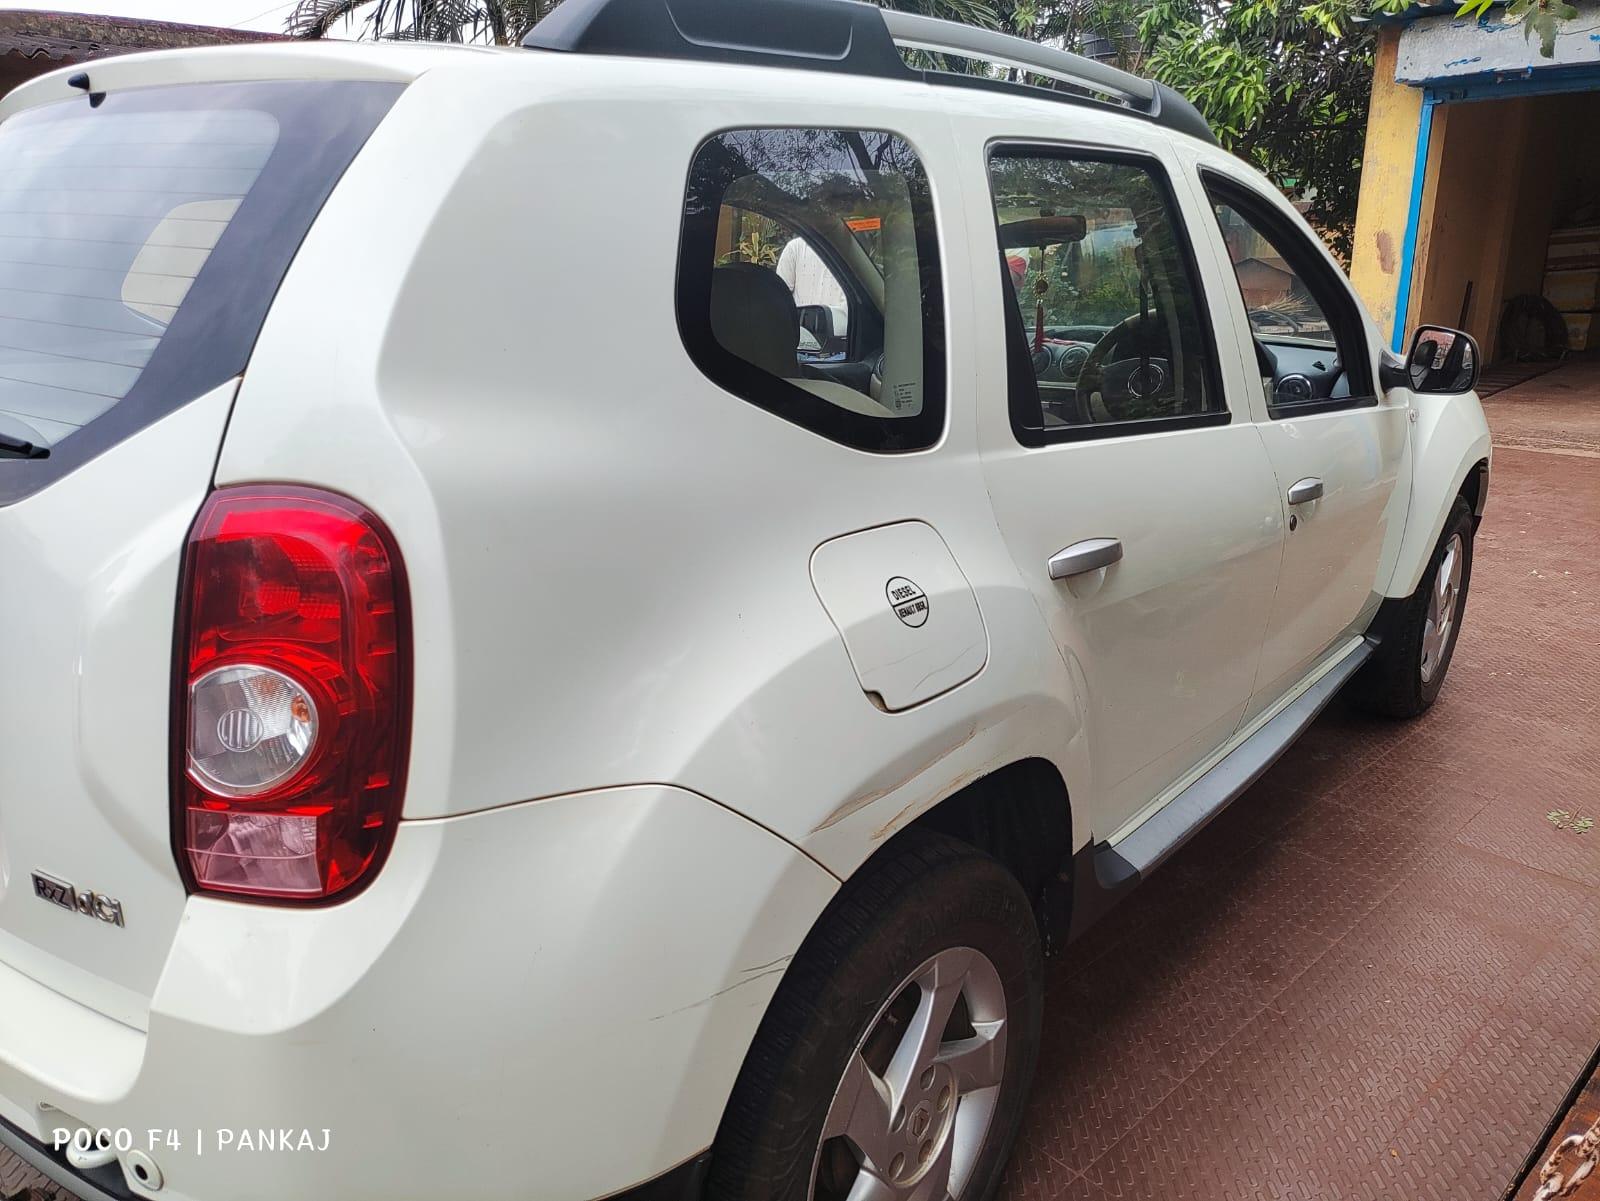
[(910, 603), (90, 904)]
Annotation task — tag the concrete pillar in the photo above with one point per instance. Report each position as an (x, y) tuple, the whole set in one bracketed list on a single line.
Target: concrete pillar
[(1385, 196)]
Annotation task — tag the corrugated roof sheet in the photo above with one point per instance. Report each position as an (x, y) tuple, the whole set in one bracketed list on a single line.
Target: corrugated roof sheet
[(74, 37)]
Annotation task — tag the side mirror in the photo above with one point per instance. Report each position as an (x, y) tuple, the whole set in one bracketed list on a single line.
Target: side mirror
[(817, 320), (1441, 360)]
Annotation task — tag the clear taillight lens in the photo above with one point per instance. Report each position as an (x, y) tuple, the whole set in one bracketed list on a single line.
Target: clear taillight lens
[(249, 728), (294, 691)]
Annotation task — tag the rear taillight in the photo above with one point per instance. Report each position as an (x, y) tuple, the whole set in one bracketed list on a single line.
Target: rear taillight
[(293, 695)]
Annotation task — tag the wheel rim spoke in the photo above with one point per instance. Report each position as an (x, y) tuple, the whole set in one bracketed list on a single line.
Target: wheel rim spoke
[(977, 1062), (941, 988), (871, 1187), (861, 1113)]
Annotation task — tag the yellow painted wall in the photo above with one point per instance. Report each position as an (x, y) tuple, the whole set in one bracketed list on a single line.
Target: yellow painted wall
[(1385, 193)]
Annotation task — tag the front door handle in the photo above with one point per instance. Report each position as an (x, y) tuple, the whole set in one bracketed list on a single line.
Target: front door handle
[(1089, 555), (1301, 491)]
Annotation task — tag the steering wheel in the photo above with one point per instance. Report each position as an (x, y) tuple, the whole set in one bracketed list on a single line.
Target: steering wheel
[(1124, 385)]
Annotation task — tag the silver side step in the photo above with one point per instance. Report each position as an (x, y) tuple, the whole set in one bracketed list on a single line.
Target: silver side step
[(914, 32), (1117, 868)]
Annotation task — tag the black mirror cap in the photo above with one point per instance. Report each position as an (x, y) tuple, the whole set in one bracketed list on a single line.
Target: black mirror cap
[(1441, 361)]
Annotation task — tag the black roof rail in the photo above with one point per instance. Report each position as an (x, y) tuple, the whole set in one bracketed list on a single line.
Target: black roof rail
[(849, 37)]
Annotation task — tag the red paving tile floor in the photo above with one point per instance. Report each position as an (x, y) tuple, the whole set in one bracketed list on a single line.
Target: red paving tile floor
[(1378, 973)]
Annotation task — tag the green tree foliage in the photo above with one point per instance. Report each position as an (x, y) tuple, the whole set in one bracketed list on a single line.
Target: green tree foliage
[(1284, 83), (504, 22)]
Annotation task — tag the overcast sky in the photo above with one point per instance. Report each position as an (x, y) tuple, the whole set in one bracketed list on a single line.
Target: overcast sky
[(236, 14)]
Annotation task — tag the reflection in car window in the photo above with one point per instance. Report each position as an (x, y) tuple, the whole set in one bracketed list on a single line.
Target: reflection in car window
[(1278, 301), (1308, 334), (1104, 319), (809, 282)]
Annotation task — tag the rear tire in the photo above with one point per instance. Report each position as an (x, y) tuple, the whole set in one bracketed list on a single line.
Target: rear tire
[(1404, 676), (933, 938)]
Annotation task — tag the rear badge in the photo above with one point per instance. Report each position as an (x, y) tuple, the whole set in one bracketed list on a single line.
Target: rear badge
[(908, 601), (90, 904)]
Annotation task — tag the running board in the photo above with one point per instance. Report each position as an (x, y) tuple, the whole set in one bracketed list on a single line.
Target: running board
[(1104, 874)]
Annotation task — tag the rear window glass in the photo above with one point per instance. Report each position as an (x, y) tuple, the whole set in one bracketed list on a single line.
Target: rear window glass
[(104, 225), (143, 235)]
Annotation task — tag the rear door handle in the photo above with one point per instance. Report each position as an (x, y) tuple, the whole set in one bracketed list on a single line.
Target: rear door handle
[(1088, 555), (1301, 491)]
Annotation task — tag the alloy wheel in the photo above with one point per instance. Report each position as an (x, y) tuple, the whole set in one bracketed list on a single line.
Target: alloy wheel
[(1442, 604), (912, 1113)]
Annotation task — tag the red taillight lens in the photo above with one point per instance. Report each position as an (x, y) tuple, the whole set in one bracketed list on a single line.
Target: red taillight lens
[(293, 707)]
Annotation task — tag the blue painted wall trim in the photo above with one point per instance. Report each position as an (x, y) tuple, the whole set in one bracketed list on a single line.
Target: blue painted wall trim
[(1408, 251), (1535, 81)]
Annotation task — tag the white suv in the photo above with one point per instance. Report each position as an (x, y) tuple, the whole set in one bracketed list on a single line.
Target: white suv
[(522, 680)]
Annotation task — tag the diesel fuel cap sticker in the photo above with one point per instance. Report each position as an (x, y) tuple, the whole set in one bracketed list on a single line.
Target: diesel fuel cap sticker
[(909, 602)]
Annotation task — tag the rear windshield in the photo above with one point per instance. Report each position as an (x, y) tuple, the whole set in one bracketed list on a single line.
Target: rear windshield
[(107, 222), (142, 237)]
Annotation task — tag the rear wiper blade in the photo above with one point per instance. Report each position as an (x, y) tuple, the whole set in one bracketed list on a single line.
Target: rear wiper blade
[(14, 447)]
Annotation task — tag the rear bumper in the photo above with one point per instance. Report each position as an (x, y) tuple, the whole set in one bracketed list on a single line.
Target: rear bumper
[(686, 1182), (103, 1184), (550, 999)]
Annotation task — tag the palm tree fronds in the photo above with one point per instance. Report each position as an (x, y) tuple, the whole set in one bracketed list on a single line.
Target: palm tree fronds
[(313, 18)]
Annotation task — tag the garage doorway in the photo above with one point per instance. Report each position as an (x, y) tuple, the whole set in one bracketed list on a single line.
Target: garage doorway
[(1507, 207)]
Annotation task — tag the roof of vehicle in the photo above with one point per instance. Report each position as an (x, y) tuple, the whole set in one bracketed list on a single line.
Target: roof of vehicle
[(853, 38), (840, 36), (395, 62)]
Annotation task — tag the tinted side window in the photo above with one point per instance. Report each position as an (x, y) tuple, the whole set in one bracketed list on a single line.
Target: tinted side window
[(1309, 339), (1278, 300), (809, 284), (1104, 321)]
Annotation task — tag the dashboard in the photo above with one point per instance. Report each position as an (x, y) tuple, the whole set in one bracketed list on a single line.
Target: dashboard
[(1303, 369)]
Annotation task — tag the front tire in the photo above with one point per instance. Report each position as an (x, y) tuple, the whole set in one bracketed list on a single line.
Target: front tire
[(1405, 674), (895, 1058)]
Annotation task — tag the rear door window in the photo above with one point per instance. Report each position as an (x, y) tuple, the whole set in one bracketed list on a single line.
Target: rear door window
[(809, 282), (141, 240)]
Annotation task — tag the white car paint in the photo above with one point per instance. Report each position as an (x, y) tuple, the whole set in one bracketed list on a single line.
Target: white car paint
[(642, 757), (443, 1023), (1449, 440)]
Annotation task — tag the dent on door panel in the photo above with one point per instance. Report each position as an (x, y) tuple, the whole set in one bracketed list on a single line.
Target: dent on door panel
[(907, 615)]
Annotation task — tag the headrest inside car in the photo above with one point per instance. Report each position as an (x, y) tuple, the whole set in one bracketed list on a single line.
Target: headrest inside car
[(753, 316)]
